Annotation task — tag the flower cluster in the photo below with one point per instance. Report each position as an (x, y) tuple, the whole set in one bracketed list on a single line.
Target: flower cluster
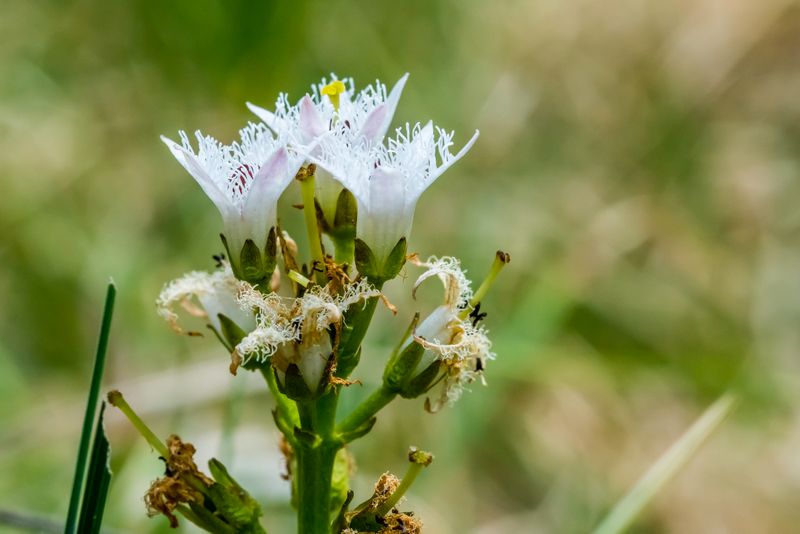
[(300, 319), (342, 133)]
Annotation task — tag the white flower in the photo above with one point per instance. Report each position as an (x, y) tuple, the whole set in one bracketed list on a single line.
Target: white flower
[(244, 180), (296, 330), (387, 181), (462, 347), (334, 109), (216, 293)]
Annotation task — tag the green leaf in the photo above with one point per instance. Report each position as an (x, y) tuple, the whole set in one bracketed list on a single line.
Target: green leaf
[(91, 408), (97, 481)]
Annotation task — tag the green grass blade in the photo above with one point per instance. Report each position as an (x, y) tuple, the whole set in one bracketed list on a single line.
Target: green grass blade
[(97, 480), (91, 408), (661, 472)]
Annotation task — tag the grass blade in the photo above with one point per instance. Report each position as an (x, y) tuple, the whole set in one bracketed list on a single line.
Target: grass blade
[(97, 480), (661, 472), (91, 408)]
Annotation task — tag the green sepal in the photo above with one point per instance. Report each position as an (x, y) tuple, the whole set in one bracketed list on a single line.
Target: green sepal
[(395, 261), (340, 480), (208, 520), (422, 382), (271, 251), (379, 272), (232, 502), (366, 263), (231, 332), (401, 368), (294, 385), (227, 250), (250, 262), (253, 264), (341, 522), (346, 212)]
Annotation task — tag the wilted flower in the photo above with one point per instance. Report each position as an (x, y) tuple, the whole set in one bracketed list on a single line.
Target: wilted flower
[(297, 331), (244, 180), (460, 347), (206, 295)]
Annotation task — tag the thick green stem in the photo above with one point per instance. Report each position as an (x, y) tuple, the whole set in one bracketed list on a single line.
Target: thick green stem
[(367, 409), (315, 460), (314, 474)]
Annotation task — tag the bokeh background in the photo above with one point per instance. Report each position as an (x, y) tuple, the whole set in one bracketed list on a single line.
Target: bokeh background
[(638, 159)]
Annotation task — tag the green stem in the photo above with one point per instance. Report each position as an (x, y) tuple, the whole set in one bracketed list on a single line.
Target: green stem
[(357, 322), (312, 228), (411, 475), (326, 414), (314, 475), (116, 399), (306, 411), (500, 261), (367, 409), (315, 464)]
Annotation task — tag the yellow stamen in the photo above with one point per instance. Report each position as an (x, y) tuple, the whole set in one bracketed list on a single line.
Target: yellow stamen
[(333, 90)]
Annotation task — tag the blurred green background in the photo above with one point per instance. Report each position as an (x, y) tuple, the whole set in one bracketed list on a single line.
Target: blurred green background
[(639, 159)]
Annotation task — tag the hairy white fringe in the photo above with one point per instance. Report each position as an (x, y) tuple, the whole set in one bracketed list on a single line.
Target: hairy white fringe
[(285, 319), (458, 288), (191, 285)]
